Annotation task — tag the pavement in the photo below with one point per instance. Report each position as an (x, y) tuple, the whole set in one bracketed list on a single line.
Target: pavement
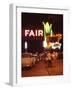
[(42, 69)]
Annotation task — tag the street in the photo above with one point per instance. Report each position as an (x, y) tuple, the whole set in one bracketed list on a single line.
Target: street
[(41, 69)]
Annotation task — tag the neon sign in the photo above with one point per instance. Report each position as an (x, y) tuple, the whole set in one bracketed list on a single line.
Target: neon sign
[(47, 29), (39, 34), (33, 33)]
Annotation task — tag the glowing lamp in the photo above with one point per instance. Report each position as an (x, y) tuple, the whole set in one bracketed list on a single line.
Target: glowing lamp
[(25, 45)]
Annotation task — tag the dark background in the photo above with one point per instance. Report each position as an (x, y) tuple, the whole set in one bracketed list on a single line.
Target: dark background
[(34, 21)]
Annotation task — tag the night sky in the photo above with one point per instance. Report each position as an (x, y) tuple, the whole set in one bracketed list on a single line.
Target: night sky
[(34, 21)]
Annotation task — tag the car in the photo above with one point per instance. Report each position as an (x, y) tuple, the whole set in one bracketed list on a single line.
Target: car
[(28, 60)]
